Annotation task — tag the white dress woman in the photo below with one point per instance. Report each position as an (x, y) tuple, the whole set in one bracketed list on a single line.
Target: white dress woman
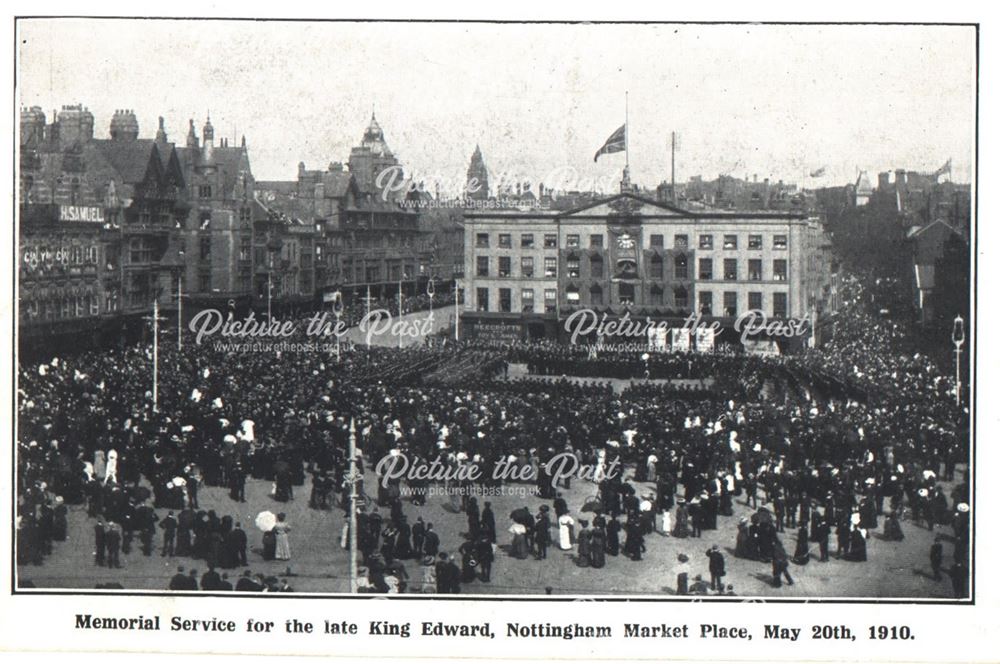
[(112, 472), (566, 532)]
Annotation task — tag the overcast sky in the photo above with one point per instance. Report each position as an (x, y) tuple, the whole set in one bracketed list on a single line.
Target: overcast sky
[(775, 101)]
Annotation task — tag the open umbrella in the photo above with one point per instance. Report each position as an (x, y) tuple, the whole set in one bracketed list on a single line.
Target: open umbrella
[(265, 521)]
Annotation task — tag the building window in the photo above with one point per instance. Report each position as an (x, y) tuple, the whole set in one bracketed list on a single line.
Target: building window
[(680, 298), (755, 242), (680, 267), (656, 241), (656, 267), (729, 272), (729, 242), (505, 303), (305, 258), (527, 301), (482, 299), (245, 247), (596, 267), (755, 269), (705, 269), (626, 293), (503, 266), (205, 282), (527, 267), (503, 241), (244, 215), (551, 241), (755, 301), (573, 295), (551, 266), (656, 296), (205, 191), (482, 266), (780, 269), (596, 241), (596, 294), (573, 241), (482, 240), (550, 300), (705, 303), (205, 248), (729, 304), (781, 242), (259, 256), (781, 305), (527, 240), (681, 242), (705, 242), (573, 267)]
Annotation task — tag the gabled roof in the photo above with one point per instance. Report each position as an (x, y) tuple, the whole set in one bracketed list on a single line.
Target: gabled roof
[(920, 230), (130, 159)]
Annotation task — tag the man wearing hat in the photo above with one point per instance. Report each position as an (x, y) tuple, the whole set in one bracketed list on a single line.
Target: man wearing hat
[(716, 567), (937, 555), (543, 533)]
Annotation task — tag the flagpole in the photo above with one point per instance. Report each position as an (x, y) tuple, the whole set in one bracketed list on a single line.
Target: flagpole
[(626, 129)]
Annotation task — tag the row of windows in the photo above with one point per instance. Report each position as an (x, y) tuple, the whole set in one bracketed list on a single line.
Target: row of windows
[(730, 242), (730, 269), (55, 308), (626, 295)]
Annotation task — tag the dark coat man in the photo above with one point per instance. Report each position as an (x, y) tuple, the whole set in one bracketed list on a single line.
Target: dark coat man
[(489, 522), (716, 567), (431, 541)]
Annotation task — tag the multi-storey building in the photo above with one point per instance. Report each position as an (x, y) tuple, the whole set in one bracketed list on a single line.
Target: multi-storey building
[(98, 220), (526, 272), (372, 237), (218, 232)]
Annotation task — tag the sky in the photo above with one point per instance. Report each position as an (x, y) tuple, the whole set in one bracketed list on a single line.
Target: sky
[(744, 100)]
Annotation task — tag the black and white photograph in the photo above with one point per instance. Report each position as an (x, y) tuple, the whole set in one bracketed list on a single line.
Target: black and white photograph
[(495, 310)]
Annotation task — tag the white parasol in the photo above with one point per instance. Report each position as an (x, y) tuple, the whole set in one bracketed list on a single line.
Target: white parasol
[(265, 521)]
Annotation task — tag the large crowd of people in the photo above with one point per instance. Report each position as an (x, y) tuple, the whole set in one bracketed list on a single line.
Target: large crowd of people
[(826, 442)]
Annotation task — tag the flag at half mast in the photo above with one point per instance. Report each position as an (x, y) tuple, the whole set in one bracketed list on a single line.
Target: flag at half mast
[(615, 143)]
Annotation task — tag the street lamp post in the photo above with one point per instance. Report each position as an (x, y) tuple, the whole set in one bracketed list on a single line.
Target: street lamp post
[(456, 309), (958, 338), (337, 305), (401, 278), (156, 354), (352, 478)]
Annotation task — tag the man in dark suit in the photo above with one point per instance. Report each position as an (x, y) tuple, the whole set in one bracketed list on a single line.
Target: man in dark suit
[(543, 533), (484, 554), (169, 526), (716, 567), (225, 585), (418, 534), (210, 580), (99, 543), (113, 544), (431, 541), (823, 537), (489, 522), (236, 541), (178, 581), (246, 583)]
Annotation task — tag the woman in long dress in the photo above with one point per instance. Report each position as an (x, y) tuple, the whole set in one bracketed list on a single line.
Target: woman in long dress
[(583, 545), (282, 546), (681, 525), (893, 531), (801, 556), (566, 532), (519, 543)]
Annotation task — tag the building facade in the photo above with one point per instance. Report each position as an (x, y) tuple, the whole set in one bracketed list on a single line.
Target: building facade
[(527, 272), (97, 227)]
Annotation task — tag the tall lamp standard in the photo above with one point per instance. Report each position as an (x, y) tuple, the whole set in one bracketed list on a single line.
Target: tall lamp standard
[(958, 338)]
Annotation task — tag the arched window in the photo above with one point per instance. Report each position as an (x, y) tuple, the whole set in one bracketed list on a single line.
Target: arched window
[(626, 293), (656, 267), (656, 296), (680, 266), (596, 294), (596, 267), (680, 298)]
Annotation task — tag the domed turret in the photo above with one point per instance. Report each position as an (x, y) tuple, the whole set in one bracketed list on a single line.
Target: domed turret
[(374, 139)]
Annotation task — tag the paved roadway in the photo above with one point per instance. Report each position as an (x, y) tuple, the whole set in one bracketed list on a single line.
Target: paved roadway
[(894, 569)]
